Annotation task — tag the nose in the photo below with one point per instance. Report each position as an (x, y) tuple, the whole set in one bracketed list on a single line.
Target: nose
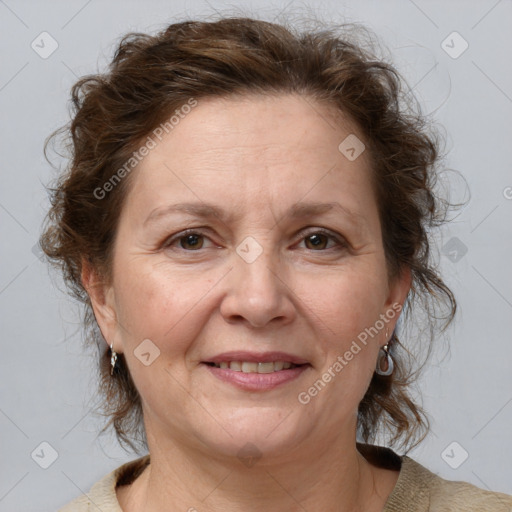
[(258, 293)]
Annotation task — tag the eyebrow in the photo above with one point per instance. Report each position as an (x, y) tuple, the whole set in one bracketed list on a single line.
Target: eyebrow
[(208, 211)]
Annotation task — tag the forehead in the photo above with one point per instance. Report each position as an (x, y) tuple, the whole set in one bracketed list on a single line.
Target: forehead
[(279, 121), (259, 149)]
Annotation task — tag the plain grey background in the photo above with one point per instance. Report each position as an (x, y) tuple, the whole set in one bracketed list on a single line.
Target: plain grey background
[(47, 380)]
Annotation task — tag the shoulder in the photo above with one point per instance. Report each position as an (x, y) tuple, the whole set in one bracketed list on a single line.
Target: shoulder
[(102, 495), (431, 493)]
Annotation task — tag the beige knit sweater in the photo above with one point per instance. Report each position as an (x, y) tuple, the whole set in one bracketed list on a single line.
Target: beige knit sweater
[(417, 489)]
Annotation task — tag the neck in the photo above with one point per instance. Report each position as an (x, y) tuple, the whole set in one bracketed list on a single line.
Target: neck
[(335, 478)]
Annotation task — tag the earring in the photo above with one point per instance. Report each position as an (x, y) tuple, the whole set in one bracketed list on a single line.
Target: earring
[(385, 365), (113, 359)]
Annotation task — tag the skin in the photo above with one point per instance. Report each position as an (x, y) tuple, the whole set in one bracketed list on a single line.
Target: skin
[(254, 156)]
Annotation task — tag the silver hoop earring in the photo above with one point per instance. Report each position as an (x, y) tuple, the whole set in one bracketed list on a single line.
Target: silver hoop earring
[(113, 359), (385, 365)]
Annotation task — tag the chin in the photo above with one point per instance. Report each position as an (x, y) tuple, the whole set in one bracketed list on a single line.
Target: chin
[(256, 432)]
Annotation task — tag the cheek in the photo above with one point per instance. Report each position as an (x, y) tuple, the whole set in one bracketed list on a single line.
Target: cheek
[(165, 310), (348, 303), (347, 314), (156, 304)]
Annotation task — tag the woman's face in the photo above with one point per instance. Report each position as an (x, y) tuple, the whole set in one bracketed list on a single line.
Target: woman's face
[(284, 264)]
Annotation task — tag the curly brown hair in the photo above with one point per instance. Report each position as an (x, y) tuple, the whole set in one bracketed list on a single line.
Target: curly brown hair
[(152, 76)]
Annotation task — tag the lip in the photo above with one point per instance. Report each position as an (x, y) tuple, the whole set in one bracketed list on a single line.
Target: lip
[(255, 357), (257, 381)]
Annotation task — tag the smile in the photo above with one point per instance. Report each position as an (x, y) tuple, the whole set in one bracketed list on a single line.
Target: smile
[(253, 367)]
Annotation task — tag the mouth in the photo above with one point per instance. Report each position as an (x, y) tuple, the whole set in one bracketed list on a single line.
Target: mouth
[(253, 371), (255, 367)]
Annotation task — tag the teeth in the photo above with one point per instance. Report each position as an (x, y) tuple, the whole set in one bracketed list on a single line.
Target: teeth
[(265, 367), (236, 366), (251, 367)]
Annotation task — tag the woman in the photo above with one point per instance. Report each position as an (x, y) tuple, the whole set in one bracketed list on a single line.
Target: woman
[(245, 218)]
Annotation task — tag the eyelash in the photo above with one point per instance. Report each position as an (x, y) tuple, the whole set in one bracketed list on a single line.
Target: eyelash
[(197, 231)]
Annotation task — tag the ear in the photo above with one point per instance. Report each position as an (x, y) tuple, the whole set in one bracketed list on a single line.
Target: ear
[(102, 301), (398, 290)]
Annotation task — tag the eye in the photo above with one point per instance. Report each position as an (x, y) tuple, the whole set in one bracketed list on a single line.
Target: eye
[(318, 239), (189, 240)]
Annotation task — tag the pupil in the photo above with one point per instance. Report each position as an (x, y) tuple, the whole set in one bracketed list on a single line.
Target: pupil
[(315, 240), (191, 240)]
